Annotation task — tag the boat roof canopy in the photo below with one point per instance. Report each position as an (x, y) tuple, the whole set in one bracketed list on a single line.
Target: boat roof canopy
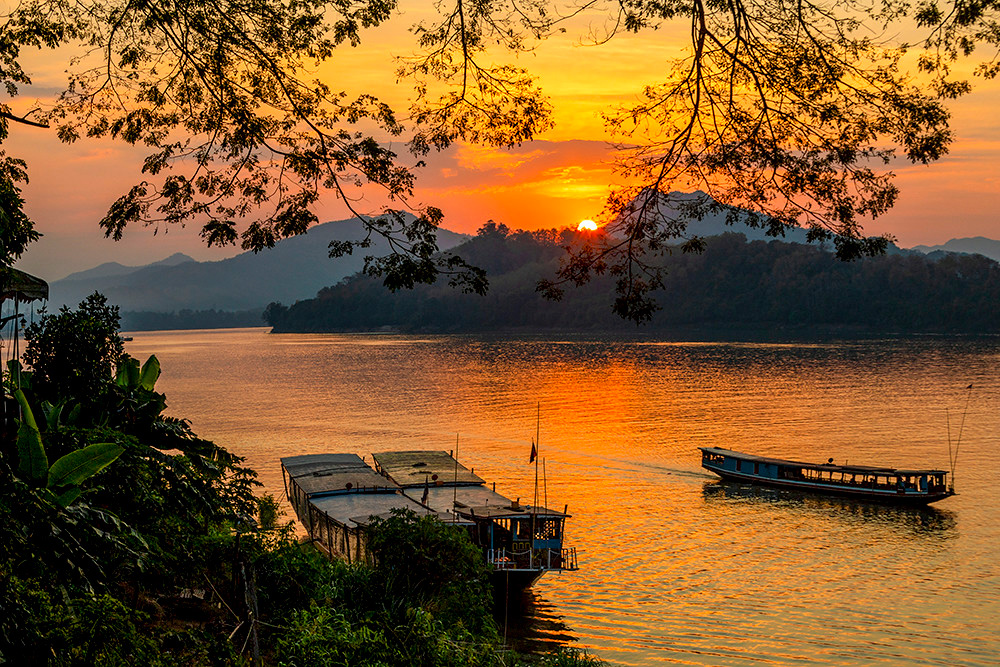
[(857, 470), (443, 517), (415, 468), (324, 474), (351, 508), (522, 512), (444, 498)]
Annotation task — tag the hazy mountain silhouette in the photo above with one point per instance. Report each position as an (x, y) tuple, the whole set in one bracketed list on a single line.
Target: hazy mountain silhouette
[(978, 245), (296, 268), (714, 224), (112, 269)]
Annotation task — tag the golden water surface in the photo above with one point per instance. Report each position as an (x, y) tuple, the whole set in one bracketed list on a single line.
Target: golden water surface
[(675, 567)]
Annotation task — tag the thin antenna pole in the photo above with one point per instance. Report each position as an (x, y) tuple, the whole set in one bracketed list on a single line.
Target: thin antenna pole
[(958, 442), (534, 506), (545, 485), (951, 460), (454, 498), (538, 446)]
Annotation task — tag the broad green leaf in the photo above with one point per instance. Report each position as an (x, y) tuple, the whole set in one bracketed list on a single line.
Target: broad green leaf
[(76, 467), (150, 372), (53, 414), (33, 464), (128, 373), (66, 498)]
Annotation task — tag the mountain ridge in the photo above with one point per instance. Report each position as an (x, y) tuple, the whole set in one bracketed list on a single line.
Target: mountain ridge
[(296, 268), (974, 245), (114, 269)]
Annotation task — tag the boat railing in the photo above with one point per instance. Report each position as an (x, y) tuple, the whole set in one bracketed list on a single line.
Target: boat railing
[(533, 559)]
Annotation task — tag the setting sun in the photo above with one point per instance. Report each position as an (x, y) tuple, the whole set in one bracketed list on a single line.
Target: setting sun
[(587, 225)]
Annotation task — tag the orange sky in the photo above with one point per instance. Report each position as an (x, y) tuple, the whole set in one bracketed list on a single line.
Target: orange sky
[(556, 181)]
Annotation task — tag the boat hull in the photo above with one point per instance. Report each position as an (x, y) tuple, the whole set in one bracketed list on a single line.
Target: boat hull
[(510, 583), (895, 499)]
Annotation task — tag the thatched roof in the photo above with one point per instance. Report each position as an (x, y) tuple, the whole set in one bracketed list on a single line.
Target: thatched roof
[(19, 285)]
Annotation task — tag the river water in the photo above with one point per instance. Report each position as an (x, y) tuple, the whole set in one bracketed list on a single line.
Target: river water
[(675, 567)]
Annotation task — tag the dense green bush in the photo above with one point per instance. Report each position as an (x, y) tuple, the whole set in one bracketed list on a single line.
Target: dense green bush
[(424, 563), (73, 353)]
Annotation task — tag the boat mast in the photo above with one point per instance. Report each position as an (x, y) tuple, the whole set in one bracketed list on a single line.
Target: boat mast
[(538, 430), (454, 499), (953, 459), (534, 505)]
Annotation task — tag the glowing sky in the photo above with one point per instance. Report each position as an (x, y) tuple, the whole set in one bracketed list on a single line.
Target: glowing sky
[(554, 182)]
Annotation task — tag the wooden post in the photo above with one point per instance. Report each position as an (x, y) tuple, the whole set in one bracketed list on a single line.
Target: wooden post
[(329, 536)]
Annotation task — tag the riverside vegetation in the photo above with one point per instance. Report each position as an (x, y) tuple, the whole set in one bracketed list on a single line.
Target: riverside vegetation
[(126, 539)]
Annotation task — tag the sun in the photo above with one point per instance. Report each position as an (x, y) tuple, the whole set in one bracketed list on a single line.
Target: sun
[(587, 226)]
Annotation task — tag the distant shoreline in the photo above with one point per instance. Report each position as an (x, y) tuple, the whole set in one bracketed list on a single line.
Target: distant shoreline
[(733, 333)]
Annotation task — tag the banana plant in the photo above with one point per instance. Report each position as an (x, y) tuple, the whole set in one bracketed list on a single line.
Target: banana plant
[(61, 483), (130, 376)]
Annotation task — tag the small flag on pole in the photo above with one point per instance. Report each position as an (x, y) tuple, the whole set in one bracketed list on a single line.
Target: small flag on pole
[(534, 452), (969, 387)]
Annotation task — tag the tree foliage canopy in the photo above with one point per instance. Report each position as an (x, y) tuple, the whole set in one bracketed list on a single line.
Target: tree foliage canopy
[(792, 112), (74, 352)]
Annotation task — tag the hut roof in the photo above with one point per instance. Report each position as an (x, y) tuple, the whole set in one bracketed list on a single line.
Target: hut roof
[(19, 285)]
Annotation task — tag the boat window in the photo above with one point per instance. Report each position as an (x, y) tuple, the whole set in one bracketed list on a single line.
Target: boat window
[(547, 529)]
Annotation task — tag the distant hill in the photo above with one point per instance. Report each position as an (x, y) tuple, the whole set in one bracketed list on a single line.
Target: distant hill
[(114, 269), (296, 268), (715, 224), (975, 245), (771, 285)]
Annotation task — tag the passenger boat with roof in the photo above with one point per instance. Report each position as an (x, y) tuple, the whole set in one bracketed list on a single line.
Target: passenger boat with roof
[(898, 486), (335, 496)]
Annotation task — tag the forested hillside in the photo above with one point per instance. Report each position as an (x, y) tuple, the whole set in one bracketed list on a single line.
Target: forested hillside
[(732, 283)]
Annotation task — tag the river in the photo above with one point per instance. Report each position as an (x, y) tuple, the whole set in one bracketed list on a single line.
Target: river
[(675, 567)]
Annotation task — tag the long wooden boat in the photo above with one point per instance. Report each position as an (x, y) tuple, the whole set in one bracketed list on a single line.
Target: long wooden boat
[(891, 485), (336, 496)]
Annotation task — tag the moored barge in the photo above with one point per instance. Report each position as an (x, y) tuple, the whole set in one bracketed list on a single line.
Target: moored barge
[(889, 485), (335, 496)]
